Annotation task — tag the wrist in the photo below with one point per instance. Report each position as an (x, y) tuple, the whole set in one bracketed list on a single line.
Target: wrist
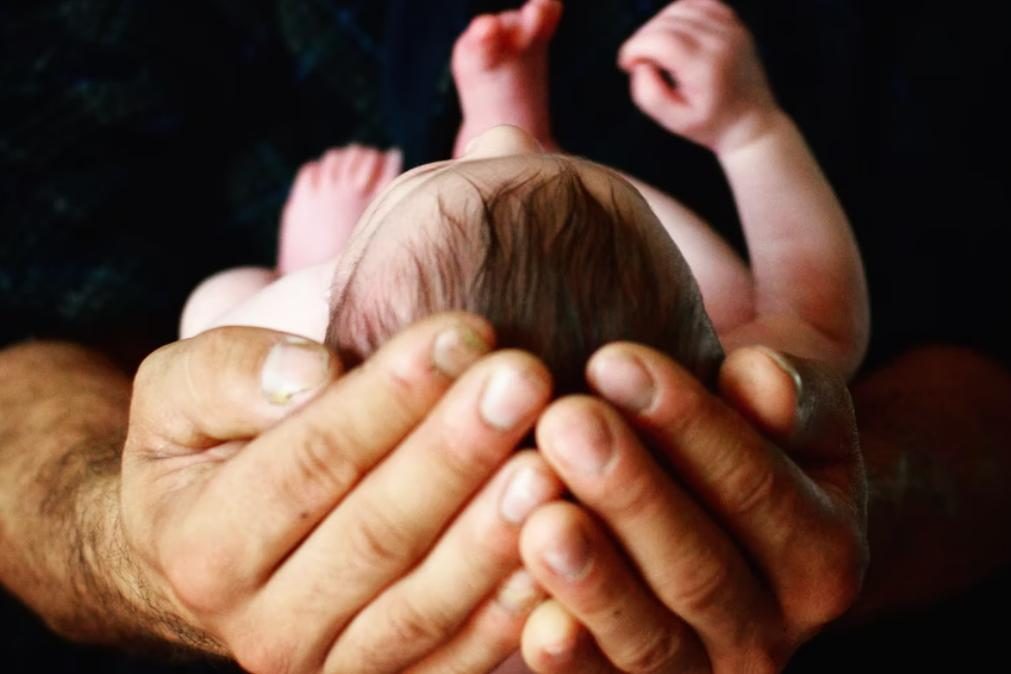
[(750, 129), (138, 610)]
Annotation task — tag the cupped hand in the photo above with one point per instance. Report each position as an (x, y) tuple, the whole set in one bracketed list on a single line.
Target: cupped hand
[(299, 519), (694, 69), (727, 539)]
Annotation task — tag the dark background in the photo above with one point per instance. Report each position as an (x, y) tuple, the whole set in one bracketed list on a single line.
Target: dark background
[(145, 145)]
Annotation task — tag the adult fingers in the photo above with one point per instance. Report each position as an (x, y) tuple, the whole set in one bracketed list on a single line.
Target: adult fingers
[(285, 481), (554, 642), (474, 555), (492, 632), (807, 409), (396, 513), (799, 403), (688, 561), (225, 384), (798, 533), (575, 562)]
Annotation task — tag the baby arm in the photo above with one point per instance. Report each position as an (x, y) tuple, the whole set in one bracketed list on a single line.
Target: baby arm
[(808, 293), (723, 277)]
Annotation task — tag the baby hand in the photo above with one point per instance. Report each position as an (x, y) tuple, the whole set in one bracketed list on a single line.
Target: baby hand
[(717, 94)]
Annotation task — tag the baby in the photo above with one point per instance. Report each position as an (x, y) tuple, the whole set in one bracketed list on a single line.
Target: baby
[(562, 254)]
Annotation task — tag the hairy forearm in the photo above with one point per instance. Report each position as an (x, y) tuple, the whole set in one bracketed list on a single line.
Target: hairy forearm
[(936, 435), (61, 433)]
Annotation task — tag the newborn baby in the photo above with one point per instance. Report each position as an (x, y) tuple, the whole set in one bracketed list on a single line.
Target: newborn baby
[(562, 254)]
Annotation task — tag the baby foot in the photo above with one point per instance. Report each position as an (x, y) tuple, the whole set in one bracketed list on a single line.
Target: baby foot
[(500, 65), (326, 200)]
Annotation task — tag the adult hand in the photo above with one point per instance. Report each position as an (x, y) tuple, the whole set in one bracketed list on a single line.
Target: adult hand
[(721, 550), (302, 521)]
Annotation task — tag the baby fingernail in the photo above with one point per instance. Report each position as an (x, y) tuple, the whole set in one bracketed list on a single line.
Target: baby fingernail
[(456, 349), (519, 593), (509, 397), (570, 555), (527, 489), (293, 366), (623, 380)]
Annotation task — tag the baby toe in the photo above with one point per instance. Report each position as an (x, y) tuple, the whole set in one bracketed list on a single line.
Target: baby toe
[(481, 45), (540, 19)]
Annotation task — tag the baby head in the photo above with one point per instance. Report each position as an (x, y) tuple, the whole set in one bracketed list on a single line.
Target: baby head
[(560, 254)]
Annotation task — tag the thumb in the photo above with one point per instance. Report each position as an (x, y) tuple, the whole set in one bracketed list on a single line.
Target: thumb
[(226, 384), (800, 404)]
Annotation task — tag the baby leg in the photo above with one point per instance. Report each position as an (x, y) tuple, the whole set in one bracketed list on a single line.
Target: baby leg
[(326, 201), (500, 65), (219, 294)]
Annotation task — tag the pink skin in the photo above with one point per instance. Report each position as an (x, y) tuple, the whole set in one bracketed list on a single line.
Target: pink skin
[(500, 65), (501, 69), (326, 200)]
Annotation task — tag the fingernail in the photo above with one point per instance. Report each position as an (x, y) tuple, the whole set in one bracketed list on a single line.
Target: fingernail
[(559, 640), (519, 593), (509, 397), (585, 445), (570, 555), (295, 365), (560, 652), (623, 380), (787, 367), (456, 349), (527, 489)]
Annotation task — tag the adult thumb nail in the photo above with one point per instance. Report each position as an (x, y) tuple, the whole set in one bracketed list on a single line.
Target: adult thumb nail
[(293, 366)]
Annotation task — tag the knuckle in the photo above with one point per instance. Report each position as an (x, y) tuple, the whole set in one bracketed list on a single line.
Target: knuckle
[(400, 377), (411, 624), (683, 407), (376, 542), (464, 456), (701, 586), (213, 357), (749, 490), (655, 652), (637, 499), (320, 468), (673, 48), (152, 365)]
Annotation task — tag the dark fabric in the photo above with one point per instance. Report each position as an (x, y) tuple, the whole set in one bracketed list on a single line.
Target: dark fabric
[(144, 145)]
